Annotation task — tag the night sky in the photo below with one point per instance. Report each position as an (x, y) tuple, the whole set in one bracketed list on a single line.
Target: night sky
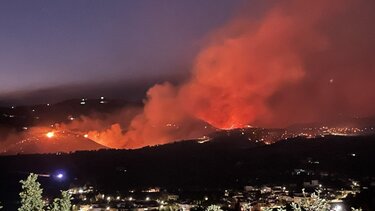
[(49, 49)]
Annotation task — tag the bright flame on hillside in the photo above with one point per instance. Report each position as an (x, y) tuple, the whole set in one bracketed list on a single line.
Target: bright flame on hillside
[(50, 134)]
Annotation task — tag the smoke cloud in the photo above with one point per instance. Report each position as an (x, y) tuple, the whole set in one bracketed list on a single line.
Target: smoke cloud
[(299, 61)]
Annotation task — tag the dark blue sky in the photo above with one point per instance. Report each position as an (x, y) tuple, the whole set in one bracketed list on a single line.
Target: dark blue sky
[(57, 43)]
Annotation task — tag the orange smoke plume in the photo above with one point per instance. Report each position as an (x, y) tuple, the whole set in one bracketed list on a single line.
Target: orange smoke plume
[(271, 70)]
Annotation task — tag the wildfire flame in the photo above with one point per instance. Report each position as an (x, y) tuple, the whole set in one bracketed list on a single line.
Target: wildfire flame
[(50, 134)]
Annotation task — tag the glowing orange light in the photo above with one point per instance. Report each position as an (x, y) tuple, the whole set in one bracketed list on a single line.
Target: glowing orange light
[(50, 134), (86, 135)]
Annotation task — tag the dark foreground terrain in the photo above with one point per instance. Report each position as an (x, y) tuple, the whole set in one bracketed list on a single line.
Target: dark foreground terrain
[(189, 165)]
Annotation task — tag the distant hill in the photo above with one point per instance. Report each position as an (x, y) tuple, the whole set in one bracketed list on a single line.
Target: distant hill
[(214, 163), (46, 114), (61, 142)]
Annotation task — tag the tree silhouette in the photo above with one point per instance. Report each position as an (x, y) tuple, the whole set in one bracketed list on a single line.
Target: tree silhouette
[(63, 203), (31, 194)]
